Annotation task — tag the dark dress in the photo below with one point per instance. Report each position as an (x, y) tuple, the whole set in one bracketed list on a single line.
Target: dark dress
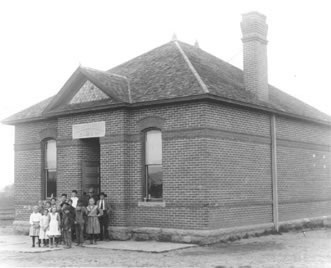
[(93, 225), (67, 223)]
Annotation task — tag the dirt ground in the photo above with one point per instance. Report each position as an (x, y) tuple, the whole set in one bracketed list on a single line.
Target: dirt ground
[(309, 249)]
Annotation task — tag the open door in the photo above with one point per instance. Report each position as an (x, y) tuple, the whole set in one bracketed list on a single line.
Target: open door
[(91, 176)]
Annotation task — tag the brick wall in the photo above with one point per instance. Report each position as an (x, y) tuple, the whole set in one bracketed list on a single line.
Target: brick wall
[(182, 170), (239, 167), (183, 187), (113, 179), (28, 166), (300, 131), (69, 169), (216, 165), (112, 118), (27, 182), (71, 153), (122, 165), (28, 133), (304, 174)]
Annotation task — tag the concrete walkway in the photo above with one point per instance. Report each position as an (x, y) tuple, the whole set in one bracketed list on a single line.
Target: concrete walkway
[(143, 246), (22, 244)]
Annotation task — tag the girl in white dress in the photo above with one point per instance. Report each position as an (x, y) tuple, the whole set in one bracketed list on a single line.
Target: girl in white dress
[(44, 227), (54, 227), (35, 225)]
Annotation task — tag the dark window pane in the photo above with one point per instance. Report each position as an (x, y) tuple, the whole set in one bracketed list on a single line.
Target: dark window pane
[(50, 183), (154, 181)]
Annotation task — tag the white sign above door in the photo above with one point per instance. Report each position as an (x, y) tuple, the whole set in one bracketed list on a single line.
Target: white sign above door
[(89, 130)]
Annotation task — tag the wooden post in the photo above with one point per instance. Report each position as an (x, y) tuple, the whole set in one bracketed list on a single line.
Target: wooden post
[(274, 172)]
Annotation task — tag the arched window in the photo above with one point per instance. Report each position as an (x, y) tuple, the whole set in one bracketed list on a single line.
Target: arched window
[(153, 164), (50, 168)]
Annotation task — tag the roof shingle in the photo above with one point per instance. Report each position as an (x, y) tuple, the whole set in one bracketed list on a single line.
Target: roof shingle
[(164, 74)]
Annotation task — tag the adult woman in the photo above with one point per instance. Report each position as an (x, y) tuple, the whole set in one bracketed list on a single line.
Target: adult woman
[(93, 225)]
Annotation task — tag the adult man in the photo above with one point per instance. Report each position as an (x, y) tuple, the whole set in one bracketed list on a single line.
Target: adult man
[(89, 195), (104, 219)]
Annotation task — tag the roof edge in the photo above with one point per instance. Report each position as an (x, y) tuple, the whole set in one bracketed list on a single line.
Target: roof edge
[(200, 97)]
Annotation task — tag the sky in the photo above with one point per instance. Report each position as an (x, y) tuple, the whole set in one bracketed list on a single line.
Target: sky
[(43, 42)]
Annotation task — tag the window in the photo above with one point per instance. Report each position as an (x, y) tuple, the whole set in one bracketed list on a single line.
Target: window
[(153, 164), (50, 168)]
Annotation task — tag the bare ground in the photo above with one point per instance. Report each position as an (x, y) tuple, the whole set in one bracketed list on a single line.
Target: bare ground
[(312, 249)]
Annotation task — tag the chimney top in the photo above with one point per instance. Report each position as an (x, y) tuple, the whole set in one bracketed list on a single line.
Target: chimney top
[(254, 27), (255, 14), (254, 36)]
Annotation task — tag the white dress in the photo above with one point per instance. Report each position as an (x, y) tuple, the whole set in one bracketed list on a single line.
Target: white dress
[(44, 221), (35, 224), (54, 229)]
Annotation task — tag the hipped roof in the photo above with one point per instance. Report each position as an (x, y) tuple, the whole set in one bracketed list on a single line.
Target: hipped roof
[(172, 72)]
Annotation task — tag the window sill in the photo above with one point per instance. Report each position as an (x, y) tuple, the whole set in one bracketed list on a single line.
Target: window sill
[(151, 204)]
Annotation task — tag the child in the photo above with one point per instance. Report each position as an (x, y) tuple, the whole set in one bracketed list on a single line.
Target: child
[(63, 200), (54, 227), (53, 202), (48, 206), (79, 223), (35, 218), (70, 202), (72, 212), (67, 222), (44, 227), (93, 226), (41, 206), (74, 198)]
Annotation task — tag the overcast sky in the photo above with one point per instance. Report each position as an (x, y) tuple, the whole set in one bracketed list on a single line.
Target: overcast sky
[(43, 42)]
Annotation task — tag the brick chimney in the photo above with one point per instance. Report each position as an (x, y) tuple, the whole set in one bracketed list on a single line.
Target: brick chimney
[(254, 30)]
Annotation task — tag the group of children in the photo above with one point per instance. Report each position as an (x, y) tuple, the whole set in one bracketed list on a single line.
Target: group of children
[(53, 222)]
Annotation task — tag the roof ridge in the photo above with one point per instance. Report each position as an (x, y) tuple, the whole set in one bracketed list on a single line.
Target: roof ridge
[(191, 67), (118, 75), (230, 65), (104, 72), (127, 80)]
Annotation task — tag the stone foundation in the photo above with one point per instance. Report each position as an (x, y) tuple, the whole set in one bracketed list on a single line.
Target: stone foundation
[(201, 237), (204, 237)]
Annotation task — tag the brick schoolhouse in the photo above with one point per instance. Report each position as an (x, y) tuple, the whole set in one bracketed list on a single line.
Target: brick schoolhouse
[(185, 145)]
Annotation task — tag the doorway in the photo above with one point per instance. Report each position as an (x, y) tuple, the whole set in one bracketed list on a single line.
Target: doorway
[(91, 176), (91, 165)]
